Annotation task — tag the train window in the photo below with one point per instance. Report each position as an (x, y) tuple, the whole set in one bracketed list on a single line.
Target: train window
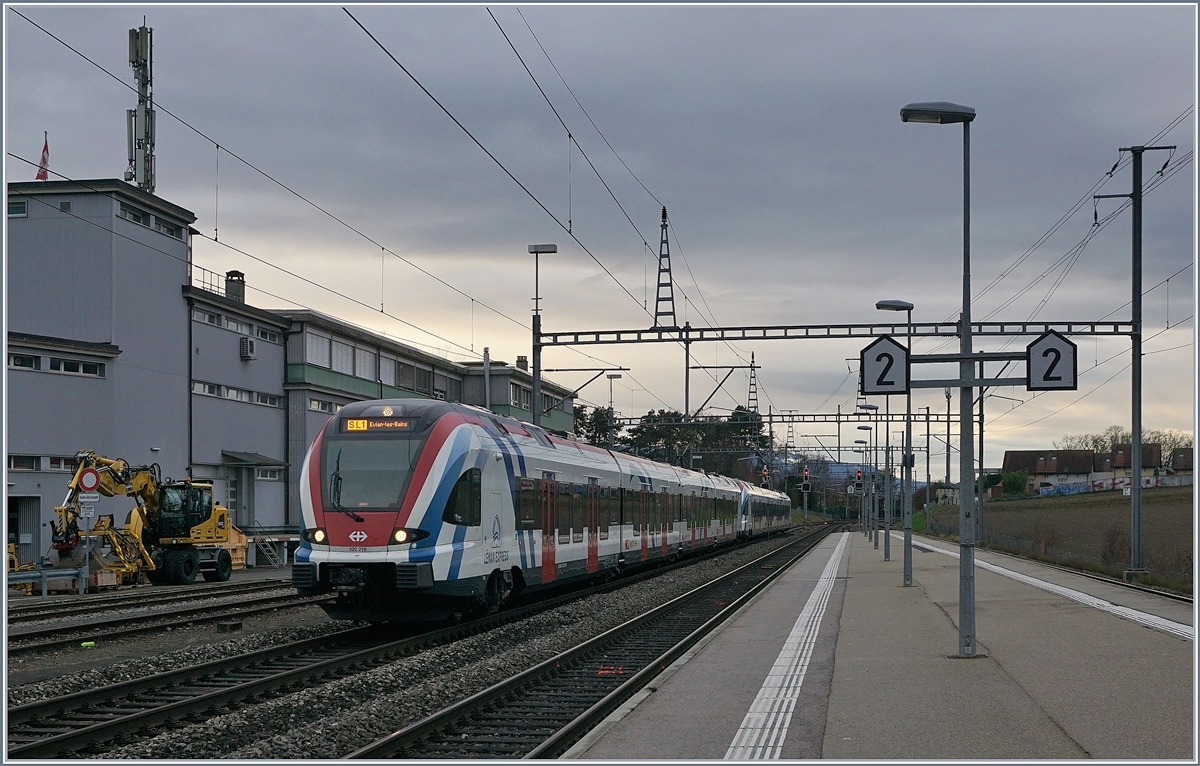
[(564, 512), (578, 508), (463, 505), (527, 515), (605, 502)]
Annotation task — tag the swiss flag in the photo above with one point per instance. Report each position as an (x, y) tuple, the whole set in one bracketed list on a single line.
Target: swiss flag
[(45, 163)]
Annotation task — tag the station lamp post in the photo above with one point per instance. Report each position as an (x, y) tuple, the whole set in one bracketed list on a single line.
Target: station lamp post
[(611, 378), (872, 515), (866, 522), (946, 113), (873, 410), (896, 305), (537, 250)]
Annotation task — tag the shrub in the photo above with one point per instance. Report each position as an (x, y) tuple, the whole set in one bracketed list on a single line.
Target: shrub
[(1117, 545), (1014, 482)]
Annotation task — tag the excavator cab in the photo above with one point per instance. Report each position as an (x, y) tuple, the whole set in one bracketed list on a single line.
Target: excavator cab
[(182, 507)]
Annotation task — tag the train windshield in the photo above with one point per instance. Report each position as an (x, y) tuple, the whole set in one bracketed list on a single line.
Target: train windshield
[(368, 474)]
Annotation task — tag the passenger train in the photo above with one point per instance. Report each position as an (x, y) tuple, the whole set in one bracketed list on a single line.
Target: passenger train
[(418, 510)]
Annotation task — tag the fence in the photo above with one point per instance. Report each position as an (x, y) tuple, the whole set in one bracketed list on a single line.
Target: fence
[(1032, 548)]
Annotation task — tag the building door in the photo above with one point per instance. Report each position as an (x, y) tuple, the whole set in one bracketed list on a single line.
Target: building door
[(239, 495), (24, 527)]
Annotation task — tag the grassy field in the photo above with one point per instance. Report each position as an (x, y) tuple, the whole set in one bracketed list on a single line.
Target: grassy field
[(1096, 526)]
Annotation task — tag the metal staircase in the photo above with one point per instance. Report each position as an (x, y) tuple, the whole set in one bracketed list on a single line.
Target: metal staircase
[(265, 543)]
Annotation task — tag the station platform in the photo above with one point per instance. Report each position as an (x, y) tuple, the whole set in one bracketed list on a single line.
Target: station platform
[(837, 659)]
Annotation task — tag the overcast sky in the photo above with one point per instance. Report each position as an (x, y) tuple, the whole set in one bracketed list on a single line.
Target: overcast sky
[(772, 135)]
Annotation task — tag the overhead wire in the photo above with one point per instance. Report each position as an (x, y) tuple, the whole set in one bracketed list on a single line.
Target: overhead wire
[(220, 147), (711, 318), (584, 153)]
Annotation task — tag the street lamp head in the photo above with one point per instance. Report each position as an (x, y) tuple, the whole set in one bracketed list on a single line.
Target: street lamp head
[(864, 428), (893, 305), (937, 112), (860, 441), (538, 249), (617, 376), (868, 406)]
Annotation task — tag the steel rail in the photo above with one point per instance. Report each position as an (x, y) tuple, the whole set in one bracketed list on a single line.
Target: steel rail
[(403, 742), (210, 613), (32, 612), (290, 670)]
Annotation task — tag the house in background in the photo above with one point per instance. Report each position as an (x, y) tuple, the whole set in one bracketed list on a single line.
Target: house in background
[(1181, 461)]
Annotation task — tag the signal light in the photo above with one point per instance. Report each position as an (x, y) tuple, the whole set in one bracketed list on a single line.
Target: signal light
[(806, 473), (858, 476)]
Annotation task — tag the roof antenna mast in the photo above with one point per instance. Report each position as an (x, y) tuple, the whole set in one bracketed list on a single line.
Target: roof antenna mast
[(139, 123)]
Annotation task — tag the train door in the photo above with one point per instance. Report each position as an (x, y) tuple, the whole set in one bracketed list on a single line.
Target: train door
[(666, 514), (643, 520), (592, 520), (548, 494)]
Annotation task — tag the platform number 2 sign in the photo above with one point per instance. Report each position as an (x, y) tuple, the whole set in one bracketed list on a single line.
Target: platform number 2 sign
[(884, 366), (1051, 363)]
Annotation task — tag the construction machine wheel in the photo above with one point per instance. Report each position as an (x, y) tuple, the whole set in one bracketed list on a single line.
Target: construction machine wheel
[(158, 575), (182, 566), (224, 568)]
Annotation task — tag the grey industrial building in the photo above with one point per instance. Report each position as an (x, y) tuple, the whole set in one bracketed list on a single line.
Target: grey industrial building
[(118, 343)]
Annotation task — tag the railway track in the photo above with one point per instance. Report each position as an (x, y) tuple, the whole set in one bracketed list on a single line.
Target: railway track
[(22, 613), (56, 636), (86, 721), (541, 712)]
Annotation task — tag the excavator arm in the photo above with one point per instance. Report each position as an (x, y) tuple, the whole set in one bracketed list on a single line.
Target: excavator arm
[(117, 478)]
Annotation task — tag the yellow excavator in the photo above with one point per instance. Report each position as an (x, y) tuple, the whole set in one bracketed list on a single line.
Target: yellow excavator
[(174, 532)]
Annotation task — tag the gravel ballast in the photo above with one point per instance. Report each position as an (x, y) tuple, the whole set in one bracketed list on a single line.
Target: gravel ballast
[(337, 717)]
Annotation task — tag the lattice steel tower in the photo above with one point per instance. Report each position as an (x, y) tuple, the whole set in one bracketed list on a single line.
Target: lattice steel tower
[(664, 304), (752, 396)]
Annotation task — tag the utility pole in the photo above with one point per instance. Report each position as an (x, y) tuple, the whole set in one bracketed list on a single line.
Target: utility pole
[(139, 122), (664, 302), (1135, 459), (948, 411), (887, 488)]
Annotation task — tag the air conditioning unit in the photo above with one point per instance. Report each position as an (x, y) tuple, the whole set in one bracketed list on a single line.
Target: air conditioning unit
[(247, 348)]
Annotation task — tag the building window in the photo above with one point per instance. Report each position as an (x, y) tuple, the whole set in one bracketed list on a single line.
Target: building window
[(241, 328), (63, 464), (364, 364), (24, 362), (342, 357), (514, 395), (64, 206), (268, 335), (316, 350), (130, 213), (207, 317), (24, 463), (77, 367), (387, 371), (17, 208), (271, 400), (424, 380), (453, 390), (406, 376), (170, 229), (237, 394), (547, 402), (320, 405), (268, 474), (208, 389)]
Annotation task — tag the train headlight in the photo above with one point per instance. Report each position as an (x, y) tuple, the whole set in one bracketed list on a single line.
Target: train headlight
[(404, 536), (317, 535)]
